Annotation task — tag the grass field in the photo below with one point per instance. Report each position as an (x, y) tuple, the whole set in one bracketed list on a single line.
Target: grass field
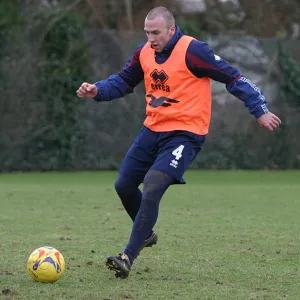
[(224, 235)]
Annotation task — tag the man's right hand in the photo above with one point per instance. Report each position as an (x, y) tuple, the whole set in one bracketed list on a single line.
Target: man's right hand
[(87, 90)]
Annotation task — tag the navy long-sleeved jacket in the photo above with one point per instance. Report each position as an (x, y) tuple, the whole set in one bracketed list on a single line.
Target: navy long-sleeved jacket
[(201, 61)]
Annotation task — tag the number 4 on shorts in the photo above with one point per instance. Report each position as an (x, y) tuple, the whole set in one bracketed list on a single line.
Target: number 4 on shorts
[(178, 152)]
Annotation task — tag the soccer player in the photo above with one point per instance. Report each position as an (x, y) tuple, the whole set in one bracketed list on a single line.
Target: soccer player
[(177, 70)]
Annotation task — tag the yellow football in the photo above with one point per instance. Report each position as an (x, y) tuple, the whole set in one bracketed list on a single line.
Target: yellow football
[(46, 264)]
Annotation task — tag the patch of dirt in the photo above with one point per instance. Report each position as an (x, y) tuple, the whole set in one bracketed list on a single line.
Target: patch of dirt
[(8, 292)]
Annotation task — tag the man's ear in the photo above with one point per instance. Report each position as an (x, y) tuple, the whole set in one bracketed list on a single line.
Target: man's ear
[(173, 29)]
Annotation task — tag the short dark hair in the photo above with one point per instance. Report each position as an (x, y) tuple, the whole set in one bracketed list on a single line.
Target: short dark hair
[(163, 12)]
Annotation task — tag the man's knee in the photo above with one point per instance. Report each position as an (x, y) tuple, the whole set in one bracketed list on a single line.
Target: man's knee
[(155, 184), (124, 186)]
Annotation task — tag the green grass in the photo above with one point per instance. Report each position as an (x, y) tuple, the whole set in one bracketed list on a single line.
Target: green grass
[(224, 235)]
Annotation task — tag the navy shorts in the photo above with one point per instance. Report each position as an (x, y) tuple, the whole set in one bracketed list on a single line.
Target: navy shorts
[(169, 152)]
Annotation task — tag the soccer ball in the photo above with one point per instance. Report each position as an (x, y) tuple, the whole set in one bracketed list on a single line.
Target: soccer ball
[(46, 264)]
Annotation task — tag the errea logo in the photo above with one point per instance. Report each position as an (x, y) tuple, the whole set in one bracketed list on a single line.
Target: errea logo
[(159, 78), (174, 163)]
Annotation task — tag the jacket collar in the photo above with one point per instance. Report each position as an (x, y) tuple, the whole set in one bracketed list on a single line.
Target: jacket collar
[(171, 44)]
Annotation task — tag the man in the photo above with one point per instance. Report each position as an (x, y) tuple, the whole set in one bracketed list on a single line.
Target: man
[(177, 70)]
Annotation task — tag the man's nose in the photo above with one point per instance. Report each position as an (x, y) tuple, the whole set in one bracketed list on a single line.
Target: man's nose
[(151, 38)]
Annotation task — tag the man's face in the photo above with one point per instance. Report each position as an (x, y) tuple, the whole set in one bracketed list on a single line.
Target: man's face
[(158, 33)]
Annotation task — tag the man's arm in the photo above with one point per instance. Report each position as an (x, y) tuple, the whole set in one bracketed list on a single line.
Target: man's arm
[(124, 82), (202, 62)]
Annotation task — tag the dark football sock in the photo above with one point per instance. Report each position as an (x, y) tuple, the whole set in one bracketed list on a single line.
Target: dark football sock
[(155, 185), (129, 194)]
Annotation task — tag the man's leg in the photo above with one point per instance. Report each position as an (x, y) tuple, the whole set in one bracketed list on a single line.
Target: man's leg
[(130, 194), (133, 169), (131, 198), (155, 185), (176, 152)]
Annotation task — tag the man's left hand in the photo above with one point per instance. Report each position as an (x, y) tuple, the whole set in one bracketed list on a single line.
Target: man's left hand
[(269, 121)]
